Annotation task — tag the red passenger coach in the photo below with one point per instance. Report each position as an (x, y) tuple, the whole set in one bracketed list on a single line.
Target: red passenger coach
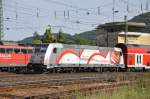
[(14, 55), (136, 56)]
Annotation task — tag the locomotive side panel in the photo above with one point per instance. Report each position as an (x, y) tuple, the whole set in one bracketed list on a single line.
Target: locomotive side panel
[(63, 56), (68, 56), (82, 57), (14, 56), (146, 61)]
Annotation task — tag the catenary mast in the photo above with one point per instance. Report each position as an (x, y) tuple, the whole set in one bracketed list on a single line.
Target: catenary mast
[(1, 20)]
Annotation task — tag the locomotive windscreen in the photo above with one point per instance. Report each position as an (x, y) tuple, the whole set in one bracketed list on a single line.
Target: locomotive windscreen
[(40, 48)]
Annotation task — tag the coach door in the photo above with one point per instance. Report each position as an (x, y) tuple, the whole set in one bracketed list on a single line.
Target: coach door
[(138, 60)]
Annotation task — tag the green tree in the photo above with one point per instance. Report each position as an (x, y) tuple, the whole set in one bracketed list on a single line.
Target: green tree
[(36, 38), (92, 42), (80, 40), (60, 36), (48, 37)]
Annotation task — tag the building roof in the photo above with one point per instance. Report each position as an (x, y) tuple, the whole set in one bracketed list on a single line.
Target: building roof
[(120, 26), (135, 33)]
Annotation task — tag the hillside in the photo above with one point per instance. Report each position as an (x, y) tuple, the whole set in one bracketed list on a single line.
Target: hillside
[(88, 36), (145, 18), (91, 35), (29, 39)]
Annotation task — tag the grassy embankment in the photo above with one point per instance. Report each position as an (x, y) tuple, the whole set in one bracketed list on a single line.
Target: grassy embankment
[(140, 90)]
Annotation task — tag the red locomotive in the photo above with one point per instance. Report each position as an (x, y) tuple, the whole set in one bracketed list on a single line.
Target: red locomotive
[(136, 56), (13, 55)]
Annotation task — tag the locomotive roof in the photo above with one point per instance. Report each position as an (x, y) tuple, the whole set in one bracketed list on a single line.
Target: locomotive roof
[(134, 48), (74, 46), (138, 46), (134, 45), (14, 45), (85, 46), (8, 43)]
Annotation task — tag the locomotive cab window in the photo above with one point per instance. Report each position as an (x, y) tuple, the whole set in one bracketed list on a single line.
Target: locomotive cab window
[(55, 50), (36, 50), (120, 53), (43, 50), (2, 50)]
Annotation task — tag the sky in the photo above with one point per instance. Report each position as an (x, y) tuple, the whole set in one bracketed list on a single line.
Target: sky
[(23, 17)]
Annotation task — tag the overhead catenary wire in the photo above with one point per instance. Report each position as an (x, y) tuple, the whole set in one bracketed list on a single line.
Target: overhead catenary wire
[(25, 25), (141, 7), (37, 13), (46, 16), (102, 15), (24, 11), (136, 6), (75, 8)]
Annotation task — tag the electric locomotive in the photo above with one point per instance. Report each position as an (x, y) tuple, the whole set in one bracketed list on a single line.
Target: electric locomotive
[(14, 56), (57, 56)]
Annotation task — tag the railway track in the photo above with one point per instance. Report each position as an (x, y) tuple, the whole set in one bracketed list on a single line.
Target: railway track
[(50, 81), (43, 78), (68, 92), (50, 84)]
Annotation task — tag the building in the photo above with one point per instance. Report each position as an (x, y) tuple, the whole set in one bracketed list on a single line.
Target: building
[(110, 34), (135, 38)]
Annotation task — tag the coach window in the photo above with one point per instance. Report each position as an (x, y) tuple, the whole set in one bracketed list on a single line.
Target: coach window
[(55, 50), (2, 50), (130, 56), (17, 51), (140, 59), (24, 51), (9, 50)]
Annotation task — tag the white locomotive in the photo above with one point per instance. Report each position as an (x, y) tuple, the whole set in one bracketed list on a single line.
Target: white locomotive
[(63, 56)]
